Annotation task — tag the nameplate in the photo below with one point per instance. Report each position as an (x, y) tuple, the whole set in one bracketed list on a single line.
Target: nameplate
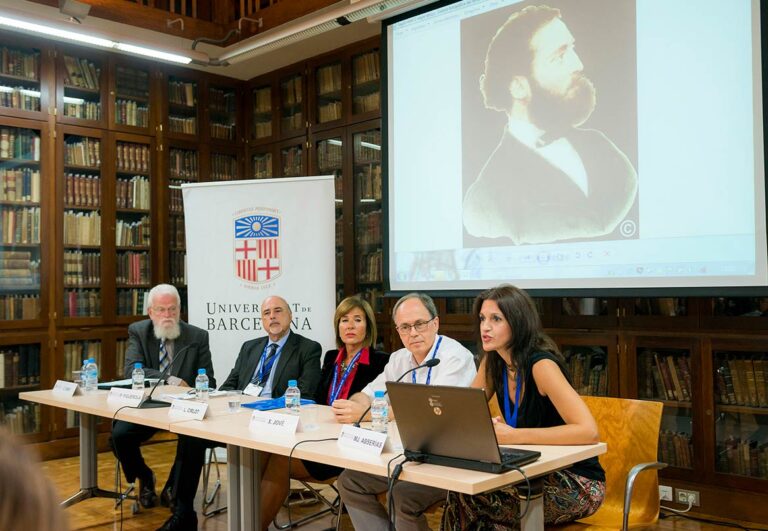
[(273, 423), (186, 409), (63, 388), (367, 441), (252, 390), (125, 397)]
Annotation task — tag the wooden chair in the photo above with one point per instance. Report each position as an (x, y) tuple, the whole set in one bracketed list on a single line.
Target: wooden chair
[(631, 430)]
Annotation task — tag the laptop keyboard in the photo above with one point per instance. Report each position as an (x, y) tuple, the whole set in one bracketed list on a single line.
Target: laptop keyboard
[(513, 455)]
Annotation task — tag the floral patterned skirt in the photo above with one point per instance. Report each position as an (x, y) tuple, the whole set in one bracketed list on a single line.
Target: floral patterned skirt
[(567, 497)]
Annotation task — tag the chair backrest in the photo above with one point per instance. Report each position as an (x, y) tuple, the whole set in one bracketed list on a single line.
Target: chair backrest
[(631, 430)]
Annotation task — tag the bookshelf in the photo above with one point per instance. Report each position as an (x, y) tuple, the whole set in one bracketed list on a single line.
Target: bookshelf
[(293, 121), (263, 119), (24, 79), (293, 160), (81, 87), (223, 112), (366, 84), (182, 92), (225, 163), (131, 93), (22, 369), (328, 101), (262, 162)]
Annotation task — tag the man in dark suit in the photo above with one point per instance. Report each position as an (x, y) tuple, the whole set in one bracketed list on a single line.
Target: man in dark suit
[(548, 179), (263, 368), (161, 342)]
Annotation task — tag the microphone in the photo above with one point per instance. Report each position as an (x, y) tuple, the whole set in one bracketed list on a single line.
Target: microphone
[(429, 363), (149, 402)]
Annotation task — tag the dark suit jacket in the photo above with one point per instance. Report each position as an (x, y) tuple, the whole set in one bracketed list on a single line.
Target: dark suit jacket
[(144, 347), (364, 375), (522, 196), (299, 360)]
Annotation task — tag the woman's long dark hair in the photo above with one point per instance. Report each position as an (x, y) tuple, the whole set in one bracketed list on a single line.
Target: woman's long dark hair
[(527, 332)]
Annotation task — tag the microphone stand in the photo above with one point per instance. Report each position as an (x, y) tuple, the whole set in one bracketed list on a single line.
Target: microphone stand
[(149, 402)]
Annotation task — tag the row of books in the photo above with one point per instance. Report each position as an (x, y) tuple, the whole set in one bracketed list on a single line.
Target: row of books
[(87, 110), (82, 268), (19, 273), (132, 82), (132, 268), (132, 232), (369, 181), (82, 189), (369, 227), (18, 307), (262, 100), (19, 365), (460, 305), (75, 352), (21, 144), (370, 267), (182, 124), (375, 298), (328, 79), (19, 98), (175, 199), (82, 302), (223, 167), (262, 128), (329, 154), (20, 63), (81, 73), (82, 151), (20, 184), (292, 121), (740, 379), (222, 101), (664, 375), (292, 159), (82, 228), (339, 230), (181, 93), (587, 368), (367, 147), (183, 164), (129, 112), (291, 91), (366, 68), (262, 166), (20, 225), (20, 417), (328, 112), (131, 301), (133, 157), (223, 131), (747, 457), (363, 103), (133, 193), (121, 347), (177, 234), (338, 186), (178, 267), (676, 449)]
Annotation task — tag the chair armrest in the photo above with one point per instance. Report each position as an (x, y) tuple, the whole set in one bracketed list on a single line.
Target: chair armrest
[(630, 485)]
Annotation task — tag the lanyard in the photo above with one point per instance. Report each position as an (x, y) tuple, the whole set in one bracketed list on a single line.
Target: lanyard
[(429, 372), (335, 390), (511, 420)]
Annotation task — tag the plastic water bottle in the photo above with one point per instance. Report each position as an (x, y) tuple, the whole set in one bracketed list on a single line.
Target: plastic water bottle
[(91, 376), (293, 398), (201, 385), (379, 412), (138, 377)]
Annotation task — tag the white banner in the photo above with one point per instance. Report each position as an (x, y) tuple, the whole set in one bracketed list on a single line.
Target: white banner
[(247, 240)]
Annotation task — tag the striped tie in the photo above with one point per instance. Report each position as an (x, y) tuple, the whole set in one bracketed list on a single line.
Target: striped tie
[(165, 359)]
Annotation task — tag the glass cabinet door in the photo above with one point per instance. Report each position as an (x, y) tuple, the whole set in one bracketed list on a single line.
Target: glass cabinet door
[(183, 167), (224, 167), (182, 107), (261, 163), (292, 159), (366, 83), (261, 112), (292, 121), (329, 155), (20, 87), (21, 372), (82, 82), (328, 96), (131, 96), (222, 113)]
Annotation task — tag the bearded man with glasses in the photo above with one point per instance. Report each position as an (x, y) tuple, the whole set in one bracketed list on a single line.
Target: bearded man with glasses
[(416, 320)]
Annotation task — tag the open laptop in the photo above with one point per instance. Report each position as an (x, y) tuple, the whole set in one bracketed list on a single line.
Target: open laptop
[(451, 426)]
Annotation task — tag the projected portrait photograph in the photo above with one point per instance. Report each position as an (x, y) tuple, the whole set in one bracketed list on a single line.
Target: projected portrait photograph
[(549, 105)]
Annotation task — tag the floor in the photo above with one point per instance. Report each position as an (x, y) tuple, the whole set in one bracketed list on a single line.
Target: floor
[(100, 514)]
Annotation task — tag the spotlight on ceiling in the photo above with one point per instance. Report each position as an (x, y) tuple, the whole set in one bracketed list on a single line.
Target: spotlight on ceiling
[(76, 11)]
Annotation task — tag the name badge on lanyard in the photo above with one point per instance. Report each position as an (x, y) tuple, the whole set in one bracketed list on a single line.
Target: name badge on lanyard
[(336, 389), (429, 372)]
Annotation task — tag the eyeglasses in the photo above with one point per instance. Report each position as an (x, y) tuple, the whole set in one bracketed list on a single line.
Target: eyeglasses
[(419, 326), (170, 310)]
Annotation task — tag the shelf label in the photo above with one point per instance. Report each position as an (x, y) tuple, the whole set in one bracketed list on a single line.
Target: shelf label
[(125, 397), (370, 442), (273, 423), (64, 388), (186, 409)]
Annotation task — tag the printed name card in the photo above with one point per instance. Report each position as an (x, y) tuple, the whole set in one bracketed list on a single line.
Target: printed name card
[(186, 409), (367, 441), (274, 423), (63, 388), (125, 397)]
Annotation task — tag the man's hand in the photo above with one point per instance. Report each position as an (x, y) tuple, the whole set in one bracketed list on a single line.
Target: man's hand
[(347, 411)]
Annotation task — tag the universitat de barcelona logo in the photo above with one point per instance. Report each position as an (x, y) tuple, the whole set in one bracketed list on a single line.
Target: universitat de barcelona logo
[(257, 248)]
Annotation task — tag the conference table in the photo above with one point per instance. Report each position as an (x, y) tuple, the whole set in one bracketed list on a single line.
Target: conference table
[(244, 445)]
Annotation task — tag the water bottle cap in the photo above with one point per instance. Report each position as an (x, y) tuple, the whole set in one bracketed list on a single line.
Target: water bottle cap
[(291, 383), (200, 371), (378, 394), (137, 365), (91, 360)]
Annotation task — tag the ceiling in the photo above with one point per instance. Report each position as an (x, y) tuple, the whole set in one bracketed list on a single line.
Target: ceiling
[(246, 66)]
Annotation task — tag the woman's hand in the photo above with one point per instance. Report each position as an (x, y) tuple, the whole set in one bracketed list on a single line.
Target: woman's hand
[(505, 433), (347, 411)]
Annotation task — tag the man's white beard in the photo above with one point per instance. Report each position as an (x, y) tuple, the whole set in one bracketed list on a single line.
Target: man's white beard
[(168, 332)]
